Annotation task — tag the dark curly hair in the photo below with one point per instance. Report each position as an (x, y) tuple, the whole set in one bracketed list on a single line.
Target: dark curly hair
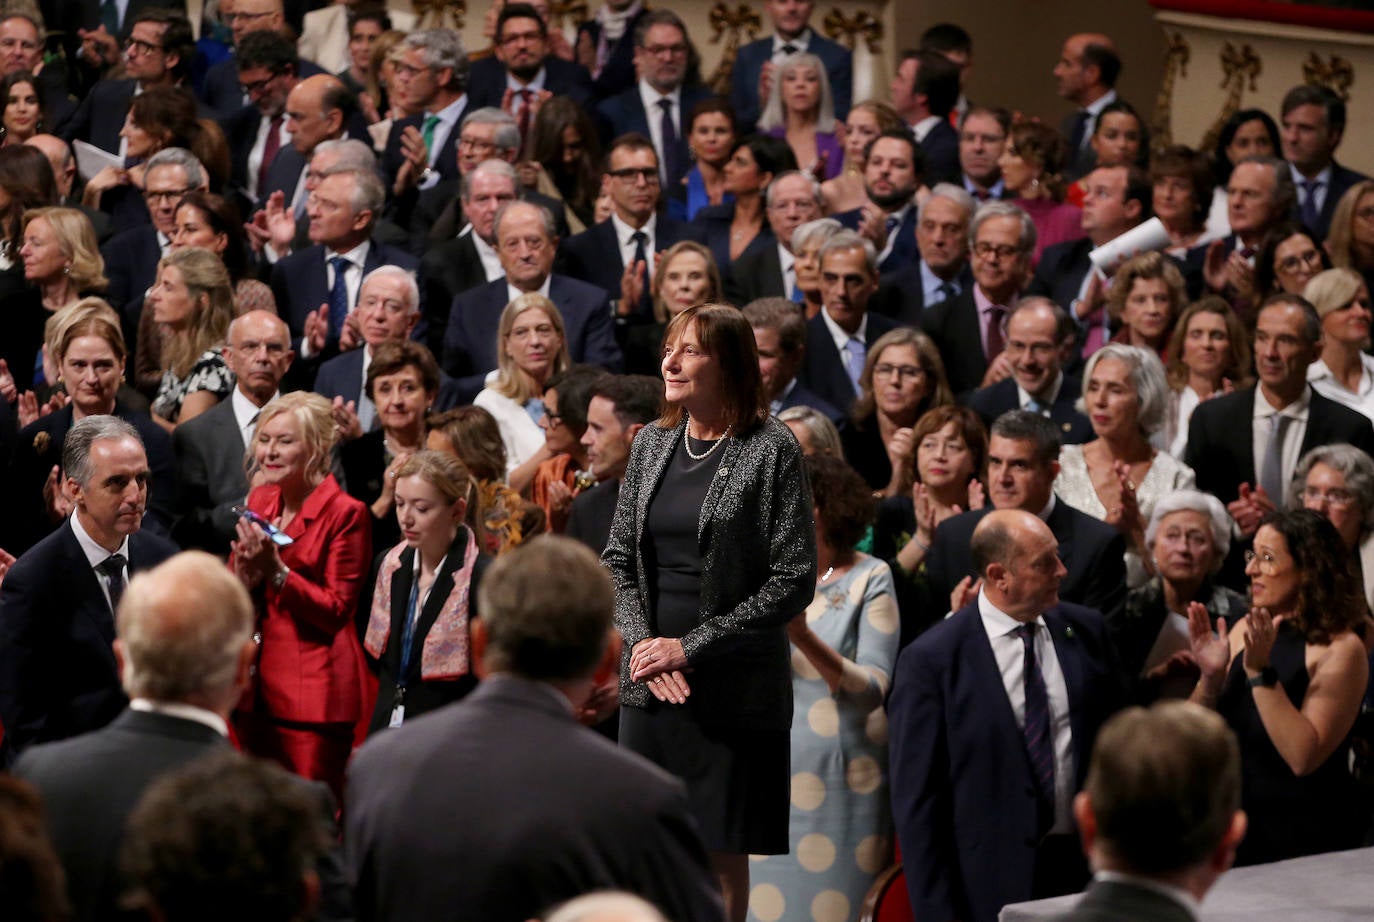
[(844, 502), (1330, 595)]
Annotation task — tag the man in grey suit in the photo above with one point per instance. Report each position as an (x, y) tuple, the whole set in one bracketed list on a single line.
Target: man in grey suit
[(210, 448), (536, 831), (185, 648), (1154, 854)]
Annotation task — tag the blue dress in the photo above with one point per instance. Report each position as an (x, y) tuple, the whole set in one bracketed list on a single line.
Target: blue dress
[(840, 828)]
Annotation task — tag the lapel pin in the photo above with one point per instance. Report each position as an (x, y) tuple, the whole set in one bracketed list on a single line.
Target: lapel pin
[(1066, 427), (1068, 631), (722, 471)]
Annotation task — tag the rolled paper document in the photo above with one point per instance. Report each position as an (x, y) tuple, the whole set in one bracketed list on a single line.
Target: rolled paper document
[(1143, 238)]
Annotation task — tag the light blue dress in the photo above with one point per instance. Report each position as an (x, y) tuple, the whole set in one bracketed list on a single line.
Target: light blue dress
[(840, 830)]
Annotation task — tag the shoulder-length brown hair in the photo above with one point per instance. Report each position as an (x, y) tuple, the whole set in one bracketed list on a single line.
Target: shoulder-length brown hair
[(726, 335), (938, 394), (1330, 594), (1237, 369), (714, 289), (970, 428)]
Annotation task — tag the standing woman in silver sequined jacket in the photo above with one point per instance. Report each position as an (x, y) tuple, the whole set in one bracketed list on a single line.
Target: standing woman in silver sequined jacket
[(713, 551)]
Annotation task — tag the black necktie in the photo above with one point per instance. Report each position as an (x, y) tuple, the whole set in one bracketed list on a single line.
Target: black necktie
[(669, 131), (789, 49), (1080, 127), (1037, 731), (113, 568), (642, 256), (946, 291)]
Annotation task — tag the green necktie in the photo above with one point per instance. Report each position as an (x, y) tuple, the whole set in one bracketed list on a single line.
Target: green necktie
[(427, 132)]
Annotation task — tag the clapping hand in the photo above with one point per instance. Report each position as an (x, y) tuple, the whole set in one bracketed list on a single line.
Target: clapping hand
[(1211, 651), (346, 419), (255, 556), (1250, 509), (1261, 629), (317, 329)]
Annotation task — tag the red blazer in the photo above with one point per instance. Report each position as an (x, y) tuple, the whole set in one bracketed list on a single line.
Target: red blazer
[(309, 662)]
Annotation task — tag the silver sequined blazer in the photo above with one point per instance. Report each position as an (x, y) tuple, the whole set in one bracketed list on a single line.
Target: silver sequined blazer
[(758, 550)]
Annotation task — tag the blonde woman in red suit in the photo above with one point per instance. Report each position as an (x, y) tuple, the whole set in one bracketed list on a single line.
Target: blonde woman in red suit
[(310, 688)]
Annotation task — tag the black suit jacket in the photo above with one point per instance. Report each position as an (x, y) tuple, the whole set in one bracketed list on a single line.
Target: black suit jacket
[(803, 396), (536, 830), (824, 369), (436, 213), (756, 274), (593, 256), (470, 342), (92, 783), (1093, 552), (618, 74), (624, 113), (445, 162), (38, 448), (421, 697), (73, 15), (903, 252), (963, 796), (300, 281), (744, 78), (1342, 179), (1220, 448), (591, 515), (210, 479), (1113, 901), (131, 259), (57, 667), (448, 269), (992, 401), (224, 94), (941, 150), (954, 326), (901, 293), (487, 82)]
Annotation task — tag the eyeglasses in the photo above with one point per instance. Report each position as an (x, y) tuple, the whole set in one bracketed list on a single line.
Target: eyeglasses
[(550, 419), (1336, 496), (164, 195), (1300, 260), (139, 46), (521, 37), (630, 174), (475, 144), (1268, 563), (659, 50), (1194, 539), (255, 87), (985, 250), (403, 69), (898, 371)]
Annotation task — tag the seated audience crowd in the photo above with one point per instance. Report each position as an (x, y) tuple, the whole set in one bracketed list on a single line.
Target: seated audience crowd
[(322, 397)]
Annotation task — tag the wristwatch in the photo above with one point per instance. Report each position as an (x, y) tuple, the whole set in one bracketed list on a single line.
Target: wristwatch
[(1268, 678), (279, 578)]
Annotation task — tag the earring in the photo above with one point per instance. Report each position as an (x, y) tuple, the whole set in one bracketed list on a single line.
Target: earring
[(67, 269)]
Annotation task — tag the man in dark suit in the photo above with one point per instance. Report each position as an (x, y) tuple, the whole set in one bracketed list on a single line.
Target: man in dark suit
[(160, 48), (1023, 453), (1179, 765), (658, 105), (1037, 332), (185, 646), (526, 244), (839, 337), (63, 163), (605, 46), (967, 329), (101, 29), (791, 200), (316, 288), (524, 70), (470, 259), (1118, 199), (1313, 125), (621, 405), (752, 77), (1259, 195), (210, 448), (780, 331), (58, 675), (1244, 446), (1085, 76), (941, 270), (991, 716), (526, 817), (924, 92), (225, 91), (982, 137), (318, 109), (892, 174), (634, 232), (432, 78), (268, 70)]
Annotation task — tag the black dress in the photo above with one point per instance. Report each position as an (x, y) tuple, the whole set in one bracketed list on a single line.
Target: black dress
[(737, 780), (1289, 816)]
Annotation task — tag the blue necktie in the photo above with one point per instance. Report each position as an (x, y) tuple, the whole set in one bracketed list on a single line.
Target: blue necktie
[(856, 351), (1308, 209), (1037, 730), (338, 298)]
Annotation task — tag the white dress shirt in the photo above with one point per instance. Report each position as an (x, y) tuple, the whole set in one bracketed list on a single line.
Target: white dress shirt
[(246, 414), (1094, 109), (259, 148), (841, 338), (353, 280), (96, 555), (654, 116), (1325, 383), (624, 235), (182, 711), (512, 292), (788, 262), (801, 43), (925, 126), (1010, 653), (491, 261), (1260, 424)]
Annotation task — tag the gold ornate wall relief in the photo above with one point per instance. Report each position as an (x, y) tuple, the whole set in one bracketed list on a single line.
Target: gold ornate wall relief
[(1336, 74), (1176, 57), (1238, 65), (848, 29), (730, 22), (440, 14)]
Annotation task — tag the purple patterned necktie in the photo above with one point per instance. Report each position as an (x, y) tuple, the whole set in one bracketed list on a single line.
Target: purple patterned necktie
[(1037, 730)]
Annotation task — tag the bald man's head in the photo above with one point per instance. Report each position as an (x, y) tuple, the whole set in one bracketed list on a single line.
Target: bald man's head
[(1017, 557), (259, 354), (60, 156), (317, 109)]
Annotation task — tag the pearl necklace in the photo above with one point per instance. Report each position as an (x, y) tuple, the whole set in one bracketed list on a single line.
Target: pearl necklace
[(687, 443)]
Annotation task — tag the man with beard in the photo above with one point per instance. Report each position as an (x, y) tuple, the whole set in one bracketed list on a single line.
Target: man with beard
[(892, 174)]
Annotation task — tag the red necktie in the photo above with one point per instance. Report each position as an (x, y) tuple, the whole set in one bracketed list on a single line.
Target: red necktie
[(269, 152), (523, 121)]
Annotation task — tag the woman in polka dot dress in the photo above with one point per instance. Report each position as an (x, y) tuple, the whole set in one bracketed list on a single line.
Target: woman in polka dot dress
[(843, 651)]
